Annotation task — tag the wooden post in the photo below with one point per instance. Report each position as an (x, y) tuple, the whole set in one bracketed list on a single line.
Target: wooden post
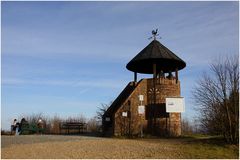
[(154, 70), (124, 126), (166, 127), (135, 76), (169, 124), (180, 124), (176, 74), (154, 82), (154, 96)]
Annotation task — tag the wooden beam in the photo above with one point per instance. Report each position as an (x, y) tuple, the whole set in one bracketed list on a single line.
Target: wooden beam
[(154, 70), (135, 76), (154, 82), (176, 74), (154, 96)]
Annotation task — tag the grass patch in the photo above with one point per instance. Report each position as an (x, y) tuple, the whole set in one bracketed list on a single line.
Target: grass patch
[(209, 147), (210, 151)]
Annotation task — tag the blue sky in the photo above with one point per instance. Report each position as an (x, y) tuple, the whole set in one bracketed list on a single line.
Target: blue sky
[(67, 58)]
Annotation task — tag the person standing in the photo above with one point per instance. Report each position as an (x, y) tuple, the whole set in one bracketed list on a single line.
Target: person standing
[(13, 126), (17, 129), (22, 125), (40, 125)]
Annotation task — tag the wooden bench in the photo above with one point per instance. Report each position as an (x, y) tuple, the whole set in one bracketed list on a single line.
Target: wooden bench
[(81, 127)]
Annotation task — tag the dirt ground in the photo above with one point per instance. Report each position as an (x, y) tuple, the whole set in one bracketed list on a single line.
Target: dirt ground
[(71, 147)]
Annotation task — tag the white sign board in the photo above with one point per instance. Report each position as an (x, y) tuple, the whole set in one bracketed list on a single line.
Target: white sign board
[(141, 109), (175, 104), (107, 119), (124, 114), (140, 97)]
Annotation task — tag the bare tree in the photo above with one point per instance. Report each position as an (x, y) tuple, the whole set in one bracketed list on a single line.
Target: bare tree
[(80, 118), (34, 117), (101, 110), (54, 125), (217, 96), (99, 114), (187, 127), (93, 125)]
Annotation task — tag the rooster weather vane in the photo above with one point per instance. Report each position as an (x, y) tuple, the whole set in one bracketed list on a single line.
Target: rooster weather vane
[(154, 34)]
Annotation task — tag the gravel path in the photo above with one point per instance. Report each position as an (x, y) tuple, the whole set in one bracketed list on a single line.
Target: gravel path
[(79, 147), (6, 141), (52, 146)]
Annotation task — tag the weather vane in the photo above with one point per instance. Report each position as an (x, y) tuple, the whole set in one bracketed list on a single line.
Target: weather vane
[(154, 34)]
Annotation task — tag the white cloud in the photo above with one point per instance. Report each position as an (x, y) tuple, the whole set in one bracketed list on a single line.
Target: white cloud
[(99, 83)]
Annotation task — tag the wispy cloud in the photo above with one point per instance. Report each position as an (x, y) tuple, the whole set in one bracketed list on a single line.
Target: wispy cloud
[(100, 83)]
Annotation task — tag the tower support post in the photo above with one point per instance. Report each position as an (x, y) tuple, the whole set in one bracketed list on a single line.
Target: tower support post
[(154, 97), (154, 81), (176, 74), (135, 77)]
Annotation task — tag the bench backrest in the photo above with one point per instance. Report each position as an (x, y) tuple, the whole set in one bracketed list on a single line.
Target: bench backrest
[(72, 125)]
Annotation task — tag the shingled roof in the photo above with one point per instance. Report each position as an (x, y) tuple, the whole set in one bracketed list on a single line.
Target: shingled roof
[(157, 53)]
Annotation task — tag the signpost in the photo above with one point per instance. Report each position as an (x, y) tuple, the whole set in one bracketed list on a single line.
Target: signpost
[(174, 105), (141, 111)]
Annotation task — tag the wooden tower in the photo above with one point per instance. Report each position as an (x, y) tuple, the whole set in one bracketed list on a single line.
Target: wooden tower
[(123, 118)]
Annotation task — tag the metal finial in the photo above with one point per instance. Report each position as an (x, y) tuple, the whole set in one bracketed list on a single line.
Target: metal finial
[(154, 33)]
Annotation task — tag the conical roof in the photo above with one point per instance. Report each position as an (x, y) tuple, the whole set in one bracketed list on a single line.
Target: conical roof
[(157, 53)]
